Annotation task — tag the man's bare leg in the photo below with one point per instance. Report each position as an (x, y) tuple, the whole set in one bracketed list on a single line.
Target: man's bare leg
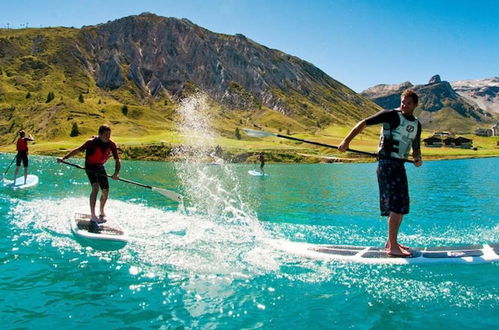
[(25, 174), (93, 201), (393, 248), (103, 200), (15, 172)]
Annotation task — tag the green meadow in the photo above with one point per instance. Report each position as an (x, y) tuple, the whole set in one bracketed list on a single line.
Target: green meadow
[(157, 145)]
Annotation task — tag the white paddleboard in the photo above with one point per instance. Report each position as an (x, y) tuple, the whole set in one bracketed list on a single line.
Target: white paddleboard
[(256, 173), (31, 180), (111, 231), (471, 254)]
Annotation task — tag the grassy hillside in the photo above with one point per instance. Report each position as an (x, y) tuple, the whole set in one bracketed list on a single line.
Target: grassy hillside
[(45, 90)]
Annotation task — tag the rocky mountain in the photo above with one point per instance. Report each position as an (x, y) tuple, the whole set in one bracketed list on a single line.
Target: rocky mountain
[(149, 64), (440, 106), (386, 96), (483, 92)]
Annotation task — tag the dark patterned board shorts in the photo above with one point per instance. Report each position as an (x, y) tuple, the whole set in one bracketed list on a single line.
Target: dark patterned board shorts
[(393, 187)]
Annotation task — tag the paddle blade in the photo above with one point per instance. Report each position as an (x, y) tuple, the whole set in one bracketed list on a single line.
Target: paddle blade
[(170, 194), (258, 134)]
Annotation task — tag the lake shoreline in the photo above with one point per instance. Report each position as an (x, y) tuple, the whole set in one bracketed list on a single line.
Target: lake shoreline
[(168, 154)]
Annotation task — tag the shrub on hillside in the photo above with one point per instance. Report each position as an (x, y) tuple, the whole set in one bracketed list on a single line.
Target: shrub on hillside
[(50, 97), (74, 130)]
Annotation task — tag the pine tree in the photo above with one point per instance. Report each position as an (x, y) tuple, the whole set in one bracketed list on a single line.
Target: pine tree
[(124, 110), (74, 130), (80, 98), (28, 95), (237, 133)]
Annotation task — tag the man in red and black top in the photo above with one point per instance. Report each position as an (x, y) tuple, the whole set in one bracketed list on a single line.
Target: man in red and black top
[(22, 153), (98, 150)]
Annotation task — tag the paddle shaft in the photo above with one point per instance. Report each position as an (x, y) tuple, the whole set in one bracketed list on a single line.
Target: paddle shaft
[(326, 145), (12, 162), (110, 176), (335, 147), (167, 193)]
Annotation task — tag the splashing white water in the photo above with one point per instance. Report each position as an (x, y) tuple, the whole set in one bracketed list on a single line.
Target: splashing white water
[(213, 191)]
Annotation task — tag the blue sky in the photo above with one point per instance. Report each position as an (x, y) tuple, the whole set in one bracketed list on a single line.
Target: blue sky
[(360, 43)]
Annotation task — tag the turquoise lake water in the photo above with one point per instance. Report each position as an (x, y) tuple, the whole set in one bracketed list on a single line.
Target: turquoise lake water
[(216, 262)]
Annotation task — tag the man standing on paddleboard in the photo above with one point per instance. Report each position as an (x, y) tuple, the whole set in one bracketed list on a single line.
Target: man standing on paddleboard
[(262, 162), (401, 131), (98, 150), (22, 154)]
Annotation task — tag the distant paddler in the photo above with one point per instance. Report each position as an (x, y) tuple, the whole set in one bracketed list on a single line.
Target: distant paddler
[(22, 153), (262, 162), (98, 150), (401, 131)]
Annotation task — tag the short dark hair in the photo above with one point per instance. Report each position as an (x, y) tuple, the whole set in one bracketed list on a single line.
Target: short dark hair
[(411, 94), (104, 128), (22, 133)]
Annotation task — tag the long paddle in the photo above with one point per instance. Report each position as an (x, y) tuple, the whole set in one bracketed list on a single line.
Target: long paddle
[(12, 162), (168, 193), (261, 134)]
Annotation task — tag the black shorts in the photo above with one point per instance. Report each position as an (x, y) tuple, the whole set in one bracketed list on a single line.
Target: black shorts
[(22, 156), (98, 175), (393, 187)]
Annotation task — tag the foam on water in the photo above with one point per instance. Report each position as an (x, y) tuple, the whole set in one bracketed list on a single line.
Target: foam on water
[(207, 251)]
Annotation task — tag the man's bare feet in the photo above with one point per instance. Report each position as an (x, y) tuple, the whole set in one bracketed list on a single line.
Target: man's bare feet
[(400, 245), (398, 252)]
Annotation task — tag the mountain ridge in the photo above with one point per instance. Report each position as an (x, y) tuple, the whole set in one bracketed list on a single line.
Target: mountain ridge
[(149, 64), (483, 92), (440, 107)]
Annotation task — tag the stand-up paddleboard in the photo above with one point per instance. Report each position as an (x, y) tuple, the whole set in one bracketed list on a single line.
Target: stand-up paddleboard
[(256, 173), (111, 231), (31, 180), (472, 254)]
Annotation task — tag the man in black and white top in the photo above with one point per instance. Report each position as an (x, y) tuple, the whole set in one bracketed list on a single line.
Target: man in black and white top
[(401, 131)]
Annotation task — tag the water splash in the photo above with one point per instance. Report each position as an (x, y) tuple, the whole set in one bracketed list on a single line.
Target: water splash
[(225, 230)]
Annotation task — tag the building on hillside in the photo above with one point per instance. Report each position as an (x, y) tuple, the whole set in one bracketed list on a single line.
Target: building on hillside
[(495, 129), (463, 142), (448, 142), (433, 141), (483, 132), (443, 134)]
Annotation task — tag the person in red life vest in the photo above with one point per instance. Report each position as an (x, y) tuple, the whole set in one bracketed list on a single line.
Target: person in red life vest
[(98, 150), (22, 153)]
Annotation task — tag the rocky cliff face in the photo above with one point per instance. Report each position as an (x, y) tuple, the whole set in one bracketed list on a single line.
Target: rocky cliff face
[(386, 96), (440, 106), (483, 92), (151, 63), (169, 55)]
